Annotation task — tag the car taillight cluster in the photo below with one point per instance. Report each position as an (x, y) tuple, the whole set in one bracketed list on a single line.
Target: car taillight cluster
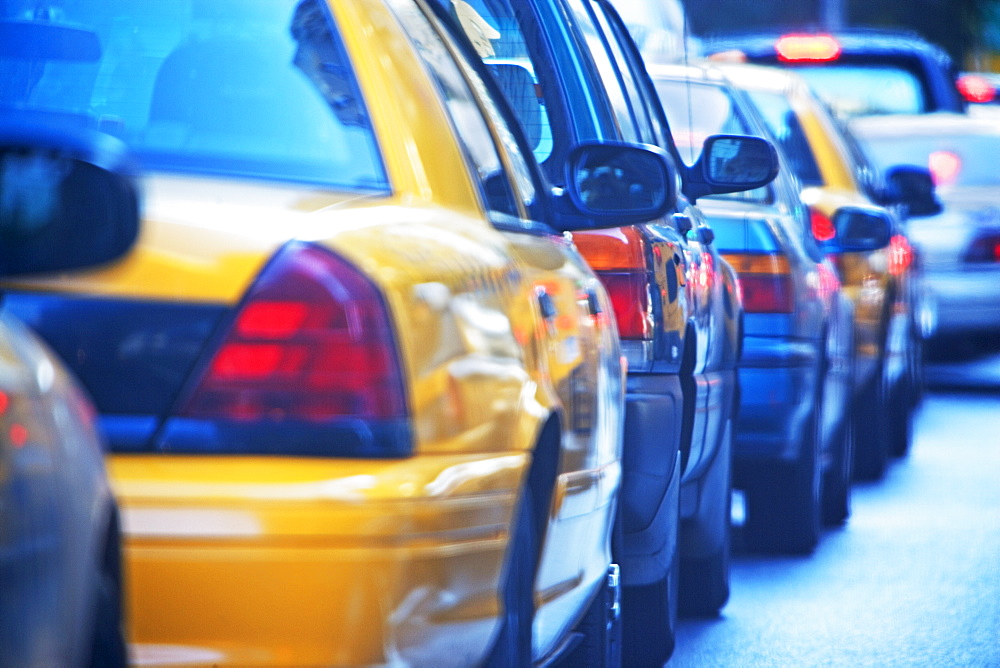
[(765, 282), (312, 347), (975, 88), (618, 256), (900, 254), (985, 248), (807, 47)]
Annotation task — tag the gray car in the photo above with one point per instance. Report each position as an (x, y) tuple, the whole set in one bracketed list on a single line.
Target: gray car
[(959, 247)]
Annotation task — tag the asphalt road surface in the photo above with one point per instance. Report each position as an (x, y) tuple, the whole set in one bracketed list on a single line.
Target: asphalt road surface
[(913, 579)]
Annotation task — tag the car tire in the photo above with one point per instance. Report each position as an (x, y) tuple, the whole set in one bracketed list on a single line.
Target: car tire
[(838, 481), (704, 587), (871, 417), (649, 615), (108, 647), (901, 419), (512, 647), (783, 501)]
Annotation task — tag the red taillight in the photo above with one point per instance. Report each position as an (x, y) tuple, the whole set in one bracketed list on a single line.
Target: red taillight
[(765, 282), (312, 342), (822, 226), (618, 256), (944, 167), (900, 254), (975, 88), (810, 48), (984, 249)]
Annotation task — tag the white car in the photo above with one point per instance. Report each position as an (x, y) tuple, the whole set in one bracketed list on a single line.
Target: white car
[(959, 247)]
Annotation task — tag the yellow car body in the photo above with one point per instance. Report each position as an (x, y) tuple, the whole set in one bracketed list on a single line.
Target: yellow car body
[(509, 368), (881, 283)]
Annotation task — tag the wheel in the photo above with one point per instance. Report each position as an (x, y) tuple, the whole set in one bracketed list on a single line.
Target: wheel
[(901, 418), (704, 586), (108, 647), (601, 628), (837, 480), (783, 500), (649, 616), (871, 431), (512, 648)]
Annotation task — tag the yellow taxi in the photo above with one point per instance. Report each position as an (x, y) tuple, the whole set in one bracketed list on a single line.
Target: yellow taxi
[(883, 284), (363, 395)]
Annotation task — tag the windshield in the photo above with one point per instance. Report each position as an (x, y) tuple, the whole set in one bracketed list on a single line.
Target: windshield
[(953, 160), (250, 89), (855, 90)]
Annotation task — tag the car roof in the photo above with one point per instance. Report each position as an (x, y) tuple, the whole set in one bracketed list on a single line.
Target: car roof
[(873, 41)]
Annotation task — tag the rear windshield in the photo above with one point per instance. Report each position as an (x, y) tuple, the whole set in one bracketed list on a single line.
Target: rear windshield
[(954, 160), (249, 89), (861, 90)]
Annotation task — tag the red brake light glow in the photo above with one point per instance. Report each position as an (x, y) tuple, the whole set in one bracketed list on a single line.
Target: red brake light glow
[(900, 254), (944, 166), (822, 226), (765, 282), (312, 342), (806, 47), (975, 88), (618, 256)]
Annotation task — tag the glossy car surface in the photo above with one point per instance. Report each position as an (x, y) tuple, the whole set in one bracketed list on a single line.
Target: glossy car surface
[(883, 284), (960, 247), (675, 303), (364, 397), (60, 545), (858, 72), (795, 367)]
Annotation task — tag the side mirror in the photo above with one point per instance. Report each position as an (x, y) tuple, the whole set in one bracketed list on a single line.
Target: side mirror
[(860, 229), (68, 199), (610, 184), (913, 187), (731, 163)]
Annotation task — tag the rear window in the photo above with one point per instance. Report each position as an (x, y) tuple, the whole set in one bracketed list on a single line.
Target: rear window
[(866, 89), (248, 89), (954, 160)]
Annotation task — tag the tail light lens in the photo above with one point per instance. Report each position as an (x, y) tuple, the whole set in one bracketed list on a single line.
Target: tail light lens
[(822, 226), (900, 254), (976, 88), (309, 366), (944, 167), (984, 248), (810, 48), (618, 256), (765, 282)]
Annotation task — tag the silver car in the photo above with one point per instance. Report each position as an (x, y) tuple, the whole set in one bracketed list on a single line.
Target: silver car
[(959, 247)]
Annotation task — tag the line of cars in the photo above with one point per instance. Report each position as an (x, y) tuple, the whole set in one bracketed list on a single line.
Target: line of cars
[(447, 352)]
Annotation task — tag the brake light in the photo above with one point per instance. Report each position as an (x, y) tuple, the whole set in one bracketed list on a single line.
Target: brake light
[(765, 282), (984, 248), (822, 226), (312, 347), (944, 167), (809, 48), (975, 88), (618, 257), (900, 254)]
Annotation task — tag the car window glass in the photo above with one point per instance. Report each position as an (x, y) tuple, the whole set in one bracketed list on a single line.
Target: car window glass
[(257, 90), (463, 107), (953, 159), (866, 89), (784, 125), (609, 73)]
